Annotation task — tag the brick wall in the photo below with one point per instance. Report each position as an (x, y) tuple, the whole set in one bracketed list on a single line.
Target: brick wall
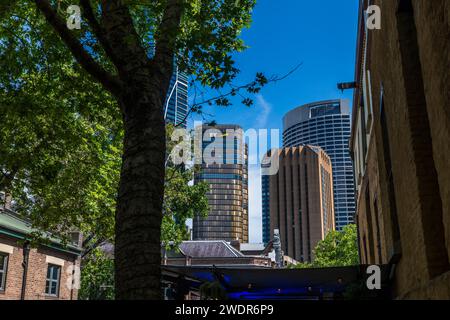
[(373, 226), (409, 63), (37, 272)]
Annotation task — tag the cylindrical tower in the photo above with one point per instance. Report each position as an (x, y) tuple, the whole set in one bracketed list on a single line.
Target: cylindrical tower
[(327, 124)]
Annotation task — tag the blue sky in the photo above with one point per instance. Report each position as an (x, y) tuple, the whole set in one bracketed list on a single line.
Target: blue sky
[(320, 34)]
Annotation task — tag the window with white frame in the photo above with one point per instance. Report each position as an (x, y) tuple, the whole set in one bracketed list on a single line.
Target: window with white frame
[(3, 269), (53, 278)]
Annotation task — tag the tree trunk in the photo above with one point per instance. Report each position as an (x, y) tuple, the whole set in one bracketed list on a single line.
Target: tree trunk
[(140, 86), (141, 190)]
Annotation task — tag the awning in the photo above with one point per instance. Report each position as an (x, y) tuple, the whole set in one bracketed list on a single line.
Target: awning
[(258, 283)]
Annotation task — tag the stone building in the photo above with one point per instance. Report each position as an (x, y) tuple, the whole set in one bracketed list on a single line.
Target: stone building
[(31, 272), (301, 199), (401, 142)]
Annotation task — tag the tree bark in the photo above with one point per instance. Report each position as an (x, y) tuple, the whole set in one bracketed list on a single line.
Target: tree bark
[(141, 190)]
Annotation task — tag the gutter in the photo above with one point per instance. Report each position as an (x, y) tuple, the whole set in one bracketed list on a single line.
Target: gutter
[(22, 236), (26, 255)]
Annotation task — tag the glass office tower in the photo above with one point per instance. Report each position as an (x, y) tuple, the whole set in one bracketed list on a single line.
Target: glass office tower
[(327, 124), (228, 185), (176, 105)]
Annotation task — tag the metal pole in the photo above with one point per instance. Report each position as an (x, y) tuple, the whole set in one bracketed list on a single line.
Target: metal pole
[(26, 253)]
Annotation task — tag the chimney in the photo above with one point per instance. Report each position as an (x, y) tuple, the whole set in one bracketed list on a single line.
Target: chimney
[(6, 200), (236, 244), (76, 238)]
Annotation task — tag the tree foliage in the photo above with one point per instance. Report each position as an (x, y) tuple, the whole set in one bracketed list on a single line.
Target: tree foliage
[(97, 277), (124, 53), (338, 249), (182, 199), (61, 151)]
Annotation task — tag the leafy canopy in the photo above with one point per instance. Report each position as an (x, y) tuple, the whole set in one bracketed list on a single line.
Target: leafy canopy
[(338, 249), (61, 133), (97, 277)]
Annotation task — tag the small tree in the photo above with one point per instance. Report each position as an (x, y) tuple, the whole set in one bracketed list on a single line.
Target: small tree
[(338, 249), (97, 277)]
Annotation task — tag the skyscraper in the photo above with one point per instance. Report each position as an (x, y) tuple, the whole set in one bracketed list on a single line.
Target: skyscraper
[(176, 105), (301, 199), (327, 124), (224, 168)]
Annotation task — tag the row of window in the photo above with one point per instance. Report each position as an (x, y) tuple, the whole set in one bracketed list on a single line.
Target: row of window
[(336, 119), (219, 176), (320, 132), (52, 283)]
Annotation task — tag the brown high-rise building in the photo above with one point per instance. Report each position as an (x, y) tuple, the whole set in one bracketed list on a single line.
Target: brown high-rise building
[(301, 200), (224, 168)]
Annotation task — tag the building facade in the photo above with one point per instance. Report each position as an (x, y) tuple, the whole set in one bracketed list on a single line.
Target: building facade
[(38, 272), (400, 145), (265, 206), (327, 124), (176, 105), (224, 168), (301, 200)]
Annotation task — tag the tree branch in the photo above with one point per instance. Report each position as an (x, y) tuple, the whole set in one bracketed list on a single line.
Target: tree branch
[(99, 32), (166, 36), (5, 7), (195, 107), (109, 81), (118, 27)]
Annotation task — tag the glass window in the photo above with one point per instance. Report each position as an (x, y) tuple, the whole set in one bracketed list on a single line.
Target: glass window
[(53, 277), (3, 269)]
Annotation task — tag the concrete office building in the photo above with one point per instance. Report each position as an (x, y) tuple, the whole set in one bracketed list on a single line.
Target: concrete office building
[(224, 168), (327, 124), (301, 200)]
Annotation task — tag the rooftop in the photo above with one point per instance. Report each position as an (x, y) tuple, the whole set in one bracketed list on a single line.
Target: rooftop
[(13, 225), (208, 249)]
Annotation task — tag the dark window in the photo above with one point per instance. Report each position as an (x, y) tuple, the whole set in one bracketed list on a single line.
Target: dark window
[(308, 231), (302, 258), (324, 110), (53, 278), (370, 232), (375, 207), (3, 269), (286, 238), (390, 179)]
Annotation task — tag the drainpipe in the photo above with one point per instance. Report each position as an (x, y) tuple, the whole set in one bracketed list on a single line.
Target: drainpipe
[(26, 254), (74, 274)]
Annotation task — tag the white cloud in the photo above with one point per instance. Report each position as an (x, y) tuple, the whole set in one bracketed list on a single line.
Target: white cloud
[(263, 108)]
